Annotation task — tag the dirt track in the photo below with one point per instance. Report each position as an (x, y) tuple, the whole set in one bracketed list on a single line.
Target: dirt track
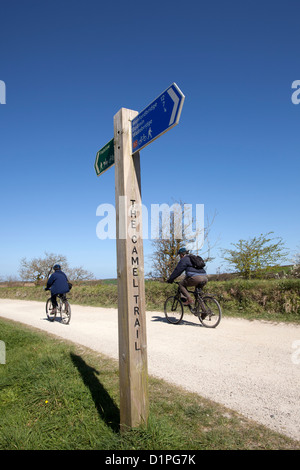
[(251, 367)]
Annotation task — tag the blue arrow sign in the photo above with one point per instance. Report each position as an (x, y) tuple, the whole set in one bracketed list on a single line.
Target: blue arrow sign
[(160, 116)]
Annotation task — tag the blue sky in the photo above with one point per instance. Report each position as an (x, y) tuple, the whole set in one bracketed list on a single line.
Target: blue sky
[(69, 66)]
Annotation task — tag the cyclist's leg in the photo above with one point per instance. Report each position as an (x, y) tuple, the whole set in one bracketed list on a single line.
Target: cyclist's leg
[(53, 300), (202, 282), (191, 281), (183, 289), (64, 302)]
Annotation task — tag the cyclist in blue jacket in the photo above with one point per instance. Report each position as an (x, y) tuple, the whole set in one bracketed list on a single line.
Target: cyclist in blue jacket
[(58, 284), (193, 277)]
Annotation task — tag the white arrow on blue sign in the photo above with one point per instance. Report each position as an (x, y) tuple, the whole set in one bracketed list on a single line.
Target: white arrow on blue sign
[(159, 117)]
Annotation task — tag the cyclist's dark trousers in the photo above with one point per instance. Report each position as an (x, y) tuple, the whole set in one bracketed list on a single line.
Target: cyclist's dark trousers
[(191, 282), (53, 300)]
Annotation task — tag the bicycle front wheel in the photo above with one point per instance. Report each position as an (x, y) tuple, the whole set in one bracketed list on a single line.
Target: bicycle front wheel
[(65, 312), (49, 310), (173, 309), (212, 316)]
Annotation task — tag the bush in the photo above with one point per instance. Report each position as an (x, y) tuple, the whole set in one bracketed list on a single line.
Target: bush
[(260, 298)]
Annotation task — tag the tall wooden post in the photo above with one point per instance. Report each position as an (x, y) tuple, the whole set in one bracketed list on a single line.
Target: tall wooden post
[(131, 285)]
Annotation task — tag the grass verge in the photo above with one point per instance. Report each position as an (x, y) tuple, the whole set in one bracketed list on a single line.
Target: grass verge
[(56, 395), (273, 300)]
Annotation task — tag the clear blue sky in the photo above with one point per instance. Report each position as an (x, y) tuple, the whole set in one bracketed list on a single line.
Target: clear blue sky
[(69, 66)]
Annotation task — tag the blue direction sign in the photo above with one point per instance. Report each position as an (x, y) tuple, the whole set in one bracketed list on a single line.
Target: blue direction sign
[(160, 116)]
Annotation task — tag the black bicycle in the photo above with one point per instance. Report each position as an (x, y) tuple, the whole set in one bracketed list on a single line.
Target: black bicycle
[(63, 309), (206, 308)]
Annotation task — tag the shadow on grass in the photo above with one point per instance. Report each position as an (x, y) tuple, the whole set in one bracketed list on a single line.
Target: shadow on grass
[(105, 405)]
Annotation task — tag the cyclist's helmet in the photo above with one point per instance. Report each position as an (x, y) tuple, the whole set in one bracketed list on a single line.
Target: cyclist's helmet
[(182, 250), (56, 267)]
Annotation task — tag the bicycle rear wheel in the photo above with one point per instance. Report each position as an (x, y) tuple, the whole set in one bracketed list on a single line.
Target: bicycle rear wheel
[(49, 310), (173, 309), (212, 317), (65, 312)]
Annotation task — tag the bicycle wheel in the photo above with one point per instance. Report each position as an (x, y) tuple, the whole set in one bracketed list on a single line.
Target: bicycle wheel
[(49, 310), (65, 312), (212, 317), (173, 309)]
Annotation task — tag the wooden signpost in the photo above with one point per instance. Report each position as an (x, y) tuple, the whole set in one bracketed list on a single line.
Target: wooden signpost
[(130, 270), (133, 131)]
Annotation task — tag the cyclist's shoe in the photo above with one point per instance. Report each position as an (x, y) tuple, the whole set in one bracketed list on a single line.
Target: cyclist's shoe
[(204, 314), (188, 302), (53, 311), (194, 311)]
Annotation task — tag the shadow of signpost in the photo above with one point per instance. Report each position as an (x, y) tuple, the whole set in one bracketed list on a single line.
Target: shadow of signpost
[(105, 405)]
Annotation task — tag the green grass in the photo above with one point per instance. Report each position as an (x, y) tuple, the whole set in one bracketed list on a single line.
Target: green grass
[(56, 395)]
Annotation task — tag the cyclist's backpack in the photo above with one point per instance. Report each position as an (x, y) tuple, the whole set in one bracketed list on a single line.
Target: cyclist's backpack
[(197, 261)]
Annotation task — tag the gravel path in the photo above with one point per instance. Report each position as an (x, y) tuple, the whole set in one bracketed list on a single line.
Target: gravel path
[(251, 367)]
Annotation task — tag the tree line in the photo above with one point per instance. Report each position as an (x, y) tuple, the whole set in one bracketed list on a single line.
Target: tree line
[(250, 258)]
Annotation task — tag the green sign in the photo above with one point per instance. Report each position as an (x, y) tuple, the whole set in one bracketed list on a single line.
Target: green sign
[(105, 158)]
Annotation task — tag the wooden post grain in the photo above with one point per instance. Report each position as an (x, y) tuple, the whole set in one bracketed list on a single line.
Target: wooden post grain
[(131, 285)]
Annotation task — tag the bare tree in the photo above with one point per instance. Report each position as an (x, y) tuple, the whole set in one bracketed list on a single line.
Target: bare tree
[(79, 274), (39, 269), (174, 232)]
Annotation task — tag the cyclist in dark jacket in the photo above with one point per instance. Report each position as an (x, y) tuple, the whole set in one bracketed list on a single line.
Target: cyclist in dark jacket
[(58, 284), (194, 276)]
